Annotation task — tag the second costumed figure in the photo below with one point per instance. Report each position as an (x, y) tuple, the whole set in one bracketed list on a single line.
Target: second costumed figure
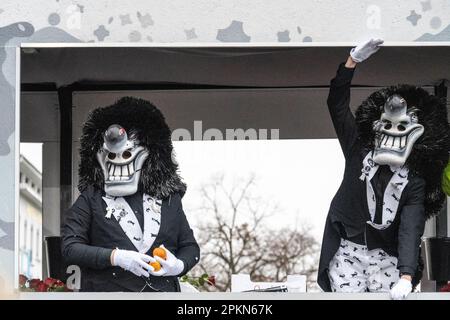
[(396, 148)]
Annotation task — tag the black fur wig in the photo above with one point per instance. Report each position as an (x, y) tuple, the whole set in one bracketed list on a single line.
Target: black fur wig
[(159, 176), (430, 153)]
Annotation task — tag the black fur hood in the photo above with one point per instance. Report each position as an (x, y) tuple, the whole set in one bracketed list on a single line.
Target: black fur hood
[(430, 153), (159, 175)]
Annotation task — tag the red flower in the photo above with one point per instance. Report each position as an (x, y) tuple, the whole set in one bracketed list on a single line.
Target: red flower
[(42, 287), (445, 288), (34, 283), (22, 280), (50, 282), (212, 280), (59, 283)]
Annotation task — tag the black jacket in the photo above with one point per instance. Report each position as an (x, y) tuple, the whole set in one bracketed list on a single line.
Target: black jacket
[(88, 239), (349, 211)]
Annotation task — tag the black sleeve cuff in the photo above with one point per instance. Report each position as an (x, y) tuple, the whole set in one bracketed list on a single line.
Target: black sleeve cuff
[(405, 270), (344, 75), (104, 257), (189, 261), (185, 269)]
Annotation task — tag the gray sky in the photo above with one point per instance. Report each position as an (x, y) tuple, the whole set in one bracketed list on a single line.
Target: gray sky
[(33, 152)]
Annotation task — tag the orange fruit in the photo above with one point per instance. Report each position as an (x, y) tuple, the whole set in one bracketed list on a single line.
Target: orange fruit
[(156, 265), (160, 252)]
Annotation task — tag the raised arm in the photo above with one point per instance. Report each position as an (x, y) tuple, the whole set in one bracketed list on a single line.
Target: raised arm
[(339, 105), (339, 96)]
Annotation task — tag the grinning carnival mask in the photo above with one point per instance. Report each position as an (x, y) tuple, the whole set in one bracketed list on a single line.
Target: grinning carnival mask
[(396, 132), (121, 159), (126, 147), (405, 125)]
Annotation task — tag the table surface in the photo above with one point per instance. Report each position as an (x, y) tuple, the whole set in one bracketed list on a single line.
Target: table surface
[(218, 296)]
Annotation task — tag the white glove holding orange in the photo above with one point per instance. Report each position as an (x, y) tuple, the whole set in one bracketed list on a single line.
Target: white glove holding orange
[(170, 265), (133, 261)]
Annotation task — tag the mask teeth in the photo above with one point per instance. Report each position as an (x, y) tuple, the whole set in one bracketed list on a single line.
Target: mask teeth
[(387, 141), (392, 142), (382, 136), (400, 142), (131, 168), (405, 140), (397, 142), (111, 170), (382, 140), (118, 172)]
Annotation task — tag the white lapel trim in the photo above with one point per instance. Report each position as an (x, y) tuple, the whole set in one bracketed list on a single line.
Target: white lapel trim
[(122, 212), (391, 195), (120, 209), (152, 221)]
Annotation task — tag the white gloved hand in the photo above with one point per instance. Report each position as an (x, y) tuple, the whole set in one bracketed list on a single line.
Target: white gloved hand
[(365, 50), (171, 266), (401, 289), (135, 262)]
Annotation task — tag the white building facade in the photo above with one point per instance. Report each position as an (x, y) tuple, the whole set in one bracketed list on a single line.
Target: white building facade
[(30, 220)]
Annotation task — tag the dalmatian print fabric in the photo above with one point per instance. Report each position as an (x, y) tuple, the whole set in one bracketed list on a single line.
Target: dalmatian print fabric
[(392, 194), (354, 268), (122, 212)]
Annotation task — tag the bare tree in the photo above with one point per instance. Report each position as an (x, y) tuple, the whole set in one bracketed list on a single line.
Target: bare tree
[(234, 239), (292, 251)]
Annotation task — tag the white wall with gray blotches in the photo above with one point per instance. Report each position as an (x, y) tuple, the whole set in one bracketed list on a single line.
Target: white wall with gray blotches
[(189, 21), (237, 21)]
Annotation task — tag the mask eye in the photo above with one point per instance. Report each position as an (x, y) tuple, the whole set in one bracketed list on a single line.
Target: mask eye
[(388, 125), (126, 154), (401, 127), (111, 156)]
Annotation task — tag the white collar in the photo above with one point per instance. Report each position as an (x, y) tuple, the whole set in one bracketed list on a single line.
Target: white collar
[(124, 215), (392, 194)]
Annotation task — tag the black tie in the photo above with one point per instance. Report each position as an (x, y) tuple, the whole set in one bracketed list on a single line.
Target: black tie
[(381, 180)]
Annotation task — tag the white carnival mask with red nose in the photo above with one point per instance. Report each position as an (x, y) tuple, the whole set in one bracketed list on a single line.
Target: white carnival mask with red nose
[(121, 159), (396, 132)]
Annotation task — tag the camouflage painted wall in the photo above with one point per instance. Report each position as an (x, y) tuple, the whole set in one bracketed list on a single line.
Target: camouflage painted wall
[(189, 21)]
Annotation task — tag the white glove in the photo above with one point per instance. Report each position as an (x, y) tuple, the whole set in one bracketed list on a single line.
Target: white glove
[(171, 266), (135, 262), (401, 289), (365, 50)]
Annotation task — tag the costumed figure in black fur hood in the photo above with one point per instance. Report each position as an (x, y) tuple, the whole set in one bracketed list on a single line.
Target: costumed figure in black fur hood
[(396, 148), (130, 204)]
